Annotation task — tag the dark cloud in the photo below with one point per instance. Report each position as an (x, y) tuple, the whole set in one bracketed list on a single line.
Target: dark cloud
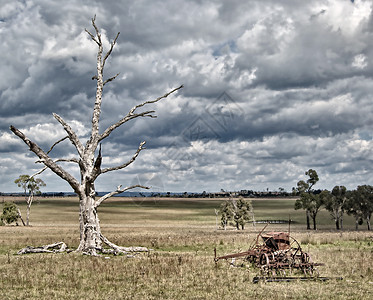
[(271, 90)]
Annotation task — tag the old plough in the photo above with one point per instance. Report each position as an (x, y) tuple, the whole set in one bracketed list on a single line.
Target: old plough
[(277, 256)]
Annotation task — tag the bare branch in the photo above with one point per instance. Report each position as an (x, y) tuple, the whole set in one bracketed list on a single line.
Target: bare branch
[(92, 37), (97, 31), (131, 114), (59, 141), (110, 79), (111, 49), (57, 160), (93, 141), (74, 160), (39, 172), (47, 160), (128, 162), (155, 100), (98, 39), (72, 135), (119, 190)]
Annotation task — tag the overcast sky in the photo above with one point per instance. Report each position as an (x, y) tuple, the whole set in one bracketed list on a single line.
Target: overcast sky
[(272, 89)]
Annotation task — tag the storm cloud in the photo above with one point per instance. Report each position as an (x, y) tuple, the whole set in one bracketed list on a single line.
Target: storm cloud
[(271, 89)]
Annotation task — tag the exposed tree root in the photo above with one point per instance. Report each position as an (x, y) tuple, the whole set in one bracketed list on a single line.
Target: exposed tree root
[(121, 250)]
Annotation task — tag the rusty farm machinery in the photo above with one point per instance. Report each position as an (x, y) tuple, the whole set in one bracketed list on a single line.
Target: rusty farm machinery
[(278, 257)]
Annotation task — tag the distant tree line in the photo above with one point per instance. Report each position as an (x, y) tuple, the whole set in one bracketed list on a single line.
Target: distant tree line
[(339, 201)]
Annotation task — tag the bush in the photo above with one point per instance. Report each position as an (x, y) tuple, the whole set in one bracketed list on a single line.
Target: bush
[(10, 213)]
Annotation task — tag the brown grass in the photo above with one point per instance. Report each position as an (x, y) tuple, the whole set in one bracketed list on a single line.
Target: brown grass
[(183, 237)]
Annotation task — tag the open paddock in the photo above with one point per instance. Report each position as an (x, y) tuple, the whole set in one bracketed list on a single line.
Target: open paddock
[(183, 235)]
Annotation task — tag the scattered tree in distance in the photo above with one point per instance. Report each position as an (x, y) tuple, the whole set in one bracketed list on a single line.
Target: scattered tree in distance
[(335, 203), (360, 205), (236, 213), (309, 201), (32, 186)]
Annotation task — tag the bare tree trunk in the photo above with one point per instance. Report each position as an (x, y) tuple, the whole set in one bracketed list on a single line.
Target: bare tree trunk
[(314, 221), (308, 220), (20, 216), (29, 202), (337, 224), (336, 218), (356, 223), (90, 237), (368, 222)]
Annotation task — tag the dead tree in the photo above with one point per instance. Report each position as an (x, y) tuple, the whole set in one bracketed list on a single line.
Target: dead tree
[(91, 238)]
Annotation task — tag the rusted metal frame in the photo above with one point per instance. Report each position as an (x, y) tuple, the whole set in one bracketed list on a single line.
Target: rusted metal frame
[(275, 257), (235, 255), (257, 279), (260, 233)]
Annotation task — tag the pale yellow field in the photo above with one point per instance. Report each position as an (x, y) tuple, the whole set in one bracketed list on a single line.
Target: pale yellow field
[(183, 235)]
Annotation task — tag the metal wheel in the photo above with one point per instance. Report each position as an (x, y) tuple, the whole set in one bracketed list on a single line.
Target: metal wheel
[(264, 260)]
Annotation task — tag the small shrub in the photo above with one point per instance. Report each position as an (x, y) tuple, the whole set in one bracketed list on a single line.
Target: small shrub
[(10, 213)]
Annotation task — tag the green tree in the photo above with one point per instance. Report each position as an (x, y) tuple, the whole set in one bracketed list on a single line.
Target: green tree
[(226, 213), (353, 207), (238, 212), (335, 203), (309, 201), (10, 213), (243, 212), (31, 187), (360, 203)]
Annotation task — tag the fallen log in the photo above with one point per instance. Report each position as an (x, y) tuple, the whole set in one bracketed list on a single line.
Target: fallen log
[(51, 248)]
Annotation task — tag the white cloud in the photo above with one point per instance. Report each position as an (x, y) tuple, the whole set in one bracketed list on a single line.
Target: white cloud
[(8, 140), (298, 74), (345, 15), (360, 61)]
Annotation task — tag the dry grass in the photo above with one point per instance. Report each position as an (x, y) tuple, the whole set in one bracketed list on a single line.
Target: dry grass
[(181, 266)]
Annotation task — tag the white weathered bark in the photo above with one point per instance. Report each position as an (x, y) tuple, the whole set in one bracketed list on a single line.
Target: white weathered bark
[(29, 202), (20, 216), (52, 248), (91, 238)]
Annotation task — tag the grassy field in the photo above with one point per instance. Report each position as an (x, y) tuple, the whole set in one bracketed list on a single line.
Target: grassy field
[(183, 234)]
